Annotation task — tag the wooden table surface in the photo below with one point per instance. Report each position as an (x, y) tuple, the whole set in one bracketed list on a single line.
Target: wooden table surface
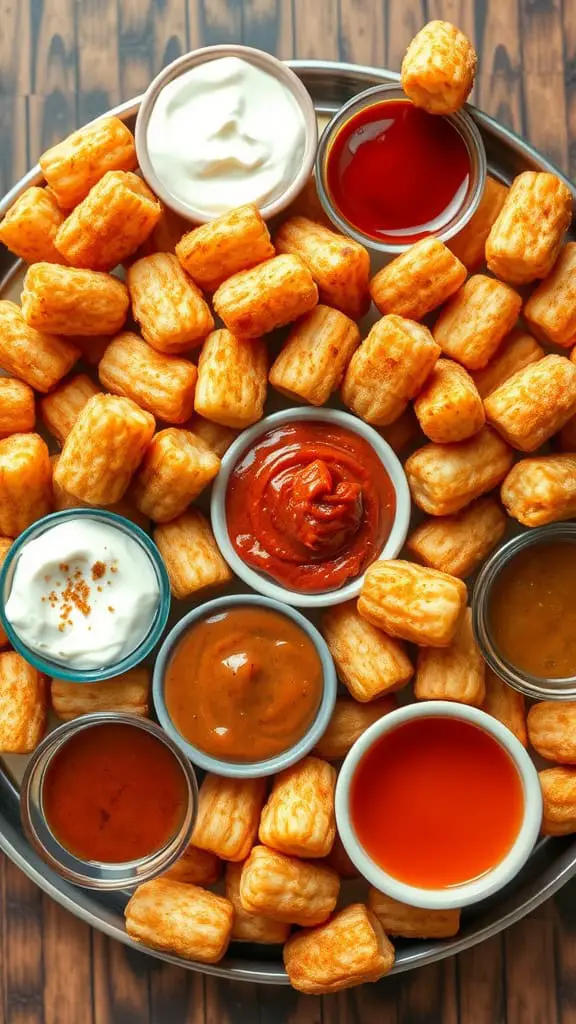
[(63, 62)]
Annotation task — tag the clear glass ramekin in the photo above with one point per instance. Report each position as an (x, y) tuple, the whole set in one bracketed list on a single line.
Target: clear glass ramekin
[(461, 121), (98, 874), (58, 669), (531, 686)]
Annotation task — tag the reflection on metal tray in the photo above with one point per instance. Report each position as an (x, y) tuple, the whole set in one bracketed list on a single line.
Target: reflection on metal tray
[(553, 862)]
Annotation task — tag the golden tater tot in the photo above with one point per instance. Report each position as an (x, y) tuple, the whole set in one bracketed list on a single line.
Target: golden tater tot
[(73, 166), (61, 408), (298, 818), (349, 950), (402, 431), (469, 244), (92, 347), (181, 919), (566, 438), (349, 720), (459, 543), (108, 225), (17, 409), (212, 252), (454, 673), (449, 407), (444, 478), (339, 265), (5, 544), (527, 235), (164, 236), (551, 309), (127, 693), (413, 602), (176, 468), (552, 730), (191, 554), (339, 860), (307, 204), (505, 704), (519, 349), (274, 293), (162, 384), (369, 663), (30, 227), (474, 322), (125, 507), (69, 301), (23, 705), (104, 449), (39, 359), (558, 787), (399, 918), (388, 369), (534, 403), (195, 867), (25, 482), (232, 379), (311, 364), (541, 490), (171, 310), (251, 927), (418, 280), (287, 889), (228, 815), (438, 68), (215, 435)]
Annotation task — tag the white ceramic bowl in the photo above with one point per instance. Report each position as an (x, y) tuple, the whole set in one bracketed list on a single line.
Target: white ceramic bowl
[(478, 888), (258, 581)]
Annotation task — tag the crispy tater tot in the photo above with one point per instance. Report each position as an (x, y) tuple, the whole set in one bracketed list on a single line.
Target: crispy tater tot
[(400, 919), (171, 310), (164, 236), (228, 815), (449, 407), (287, 889), (127, 693), (232, 379), (418, 280), (162, 384), (469, 244), (350, 949), (73, 166), (25, 482), (307, 204), (215, 435), (61, 408), (534, 403), (552, 730), (191, 554), (566, 438), (298, 818), (270, 295), (505, 704), (519, 349), (30, 227), (402, 431), (5, 544), (340, 266), (39, 359), (438, 68), (17, 409), (541, 490), (444, 478), (108, 225), (125, 507), (388, 369), (181, 919), (104, 449), (339, 860), (454, 673), (176, 468), (69, 301), (238, 240), (459, 543), (474, 322), (248, 926), (311, 364), (349, 720), (92, 347), (369, 663), (558, 787), (551, 309), (413, 602), (23, 705), (195, 867), (527, 235)]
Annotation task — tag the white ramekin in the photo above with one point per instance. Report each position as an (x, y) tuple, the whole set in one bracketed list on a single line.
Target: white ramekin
[(457, 895), (259, 581)]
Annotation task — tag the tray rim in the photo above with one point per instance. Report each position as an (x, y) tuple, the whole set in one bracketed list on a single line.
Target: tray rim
[(76, 900)]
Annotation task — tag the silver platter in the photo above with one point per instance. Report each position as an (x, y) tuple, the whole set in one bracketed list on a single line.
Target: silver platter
[(553, 862)]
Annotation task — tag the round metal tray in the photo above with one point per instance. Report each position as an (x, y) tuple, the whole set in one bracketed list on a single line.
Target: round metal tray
[(554, 860)]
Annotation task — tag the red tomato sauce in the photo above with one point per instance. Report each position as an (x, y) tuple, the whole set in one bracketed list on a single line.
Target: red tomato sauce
[(311, 505), (437, 802), (397, 173), (114, 793)]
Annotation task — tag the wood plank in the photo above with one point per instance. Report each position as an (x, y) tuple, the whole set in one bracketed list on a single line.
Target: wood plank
[(121, 983), (176, 995), (317, 37), (214, 21), (543, 78), (15, 44), (289, 1007), (230, 1002), (66, 941), (429, 995), (377, 1003), (405, 19), (98, 58), (499, 81), (569, 31), (481, 983), (363, 32), (53, 112), (269, 25), (565, 936), (530, 974), (22, 953), (170, 32), (15, 156), (135, 46)]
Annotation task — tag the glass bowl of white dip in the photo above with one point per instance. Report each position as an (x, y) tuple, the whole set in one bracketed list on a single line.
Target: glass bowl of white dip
[(84, 595)]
